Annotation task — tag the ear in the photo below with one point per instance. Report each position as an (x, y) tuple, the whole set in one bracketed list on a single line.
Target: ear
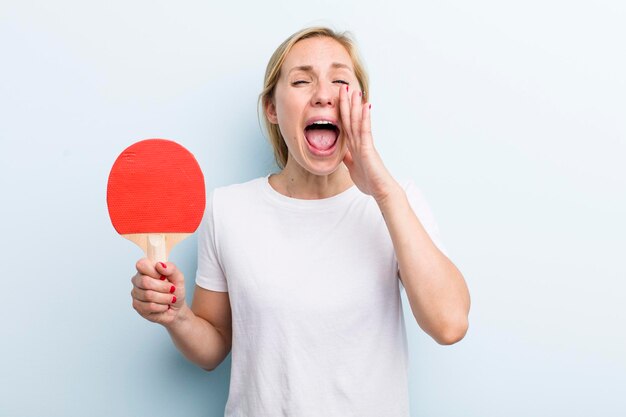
[(270, 111)]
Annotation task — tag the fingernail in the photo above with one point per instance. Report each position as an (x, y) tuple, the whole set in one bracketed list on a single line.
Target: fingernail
[(174, 300), (172, 289), (163, 265), (162, 277)]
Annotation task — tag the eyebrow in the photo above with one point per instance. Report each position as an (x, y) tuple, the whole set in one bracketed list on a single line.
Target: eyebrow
[(309, 68)]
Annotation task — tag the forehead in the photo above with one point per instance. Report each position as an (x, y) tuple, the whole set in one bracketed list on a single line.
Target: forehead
[(317, 52)]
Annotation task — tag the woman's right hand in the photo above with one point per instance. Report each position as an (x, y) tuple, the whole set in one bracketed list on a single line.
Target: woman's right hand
[(158, 291)]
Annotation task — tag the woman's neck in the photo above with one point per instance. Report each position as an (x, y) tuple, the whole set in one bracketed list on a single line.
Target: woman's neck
[(296, 182)]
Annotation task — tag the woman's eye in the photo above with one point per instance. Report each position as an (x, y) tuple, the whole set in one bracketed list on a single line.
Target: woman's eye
[(341, 82), (299, 82)]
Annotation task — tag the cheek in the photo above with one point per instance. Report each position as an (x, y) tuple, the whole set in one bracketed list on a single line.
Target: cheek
[(288, 116), (284, 111), (289, 131)]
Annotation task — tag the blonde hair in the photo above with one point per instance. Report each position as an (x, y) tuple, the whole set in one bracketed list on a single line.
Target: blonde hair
[(272, 75)]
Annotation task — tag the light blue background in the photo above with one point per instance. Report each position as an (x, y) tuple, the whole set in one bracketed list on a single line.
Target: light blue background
[(509, 115)]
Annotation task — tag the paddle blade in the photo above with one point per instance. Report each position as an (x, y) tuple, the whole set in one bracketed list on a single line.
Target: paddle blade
[(155, 186)]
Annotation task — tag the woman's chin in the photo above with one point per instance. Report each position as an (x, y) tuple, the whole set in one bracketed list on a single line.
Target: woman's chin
[(323, 171), (327, 162)]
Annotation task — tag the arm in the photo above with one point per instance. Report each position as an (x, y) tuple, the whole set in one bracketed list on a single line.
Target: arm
[(202, 333), (435, 288)]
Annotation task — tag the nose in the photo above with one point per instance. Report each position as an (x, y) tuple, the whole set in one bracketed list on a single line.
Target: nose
[(325, 95)]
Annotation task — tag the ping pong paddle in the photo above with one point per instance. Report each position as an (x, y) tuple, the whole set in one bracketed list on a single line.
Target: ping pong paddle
[(156, 195)]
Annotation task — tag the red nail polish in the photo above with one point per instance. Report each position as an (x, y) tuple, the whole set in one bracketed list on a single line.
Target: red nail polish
[(174, 300), (163, 265), (172, 289), (162, 277)]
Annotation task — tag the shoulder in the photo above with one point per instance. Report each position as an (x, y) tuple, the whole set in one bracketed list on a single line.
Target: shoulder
[(419, 203), (241, 188), (236, 201), (234, 193), (231, 204), (422, 209), (413, 191)]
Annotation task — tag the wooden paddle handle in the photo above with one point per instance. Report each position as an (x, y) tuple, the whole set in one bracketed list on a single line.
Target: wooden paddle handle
[(156, 247)]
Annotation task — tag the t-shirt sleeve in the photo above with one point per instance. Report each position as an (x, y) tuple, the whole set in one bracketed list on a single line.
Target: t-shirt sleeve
[(210, 274), (425, 215), (422, 210)]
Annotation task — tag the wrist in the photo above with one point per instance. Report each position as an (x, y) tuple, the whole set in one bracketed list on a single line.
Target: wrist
[(395, 195)]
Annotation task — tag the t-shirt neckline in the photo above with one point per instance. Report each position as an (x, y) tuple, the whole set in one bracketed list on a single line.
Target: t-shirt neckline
[(322, 203)]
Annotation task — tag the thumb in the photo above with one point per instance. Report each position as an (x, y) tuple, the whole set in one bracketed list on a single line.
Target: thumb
[(347, 159)]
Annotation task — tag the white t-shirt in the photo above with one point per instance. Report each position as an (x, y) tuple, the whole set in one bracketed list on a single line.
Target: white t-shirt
[(318, 328)]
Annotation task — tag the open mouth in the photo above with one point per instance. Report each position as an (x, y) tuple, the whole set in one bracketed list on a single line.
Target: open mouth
[(321, 135)]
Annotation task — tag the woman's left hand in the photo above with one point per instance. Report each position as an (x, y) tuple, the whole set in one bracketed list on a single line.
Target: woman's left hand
[(364, 163)]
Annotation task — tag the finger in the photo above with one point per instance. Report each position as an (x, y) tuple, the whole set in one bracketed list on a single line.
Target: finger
[(171, 272), (366, 124), (147, 283), (355, 114), (177, 279), (146, 267), (344, 110), (150, 296), (147, 308), (347, 159)]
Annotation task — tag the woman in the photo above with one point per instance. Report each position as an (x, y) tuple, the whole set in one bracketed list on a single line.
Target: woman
[(308, 260)]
